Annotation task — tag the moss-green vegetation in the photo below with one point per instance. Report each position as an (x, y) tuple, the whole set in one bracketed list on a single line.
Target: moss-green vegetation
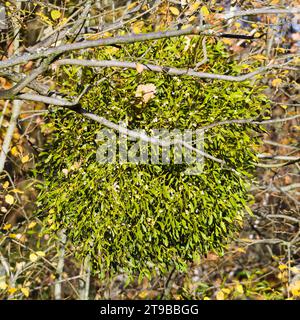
[(148, 217)]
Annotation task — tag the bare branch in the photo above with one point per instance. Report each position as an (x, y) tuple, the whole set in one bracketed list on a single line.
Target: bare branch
[(59, 34), (250, 121), (131, 38), (167, 70), (60, 265), (274, 157), (24, 82), (47, 100), (144, 137), (34, 85), (280, 145), (282, 216), (75, 106), (265, 10)]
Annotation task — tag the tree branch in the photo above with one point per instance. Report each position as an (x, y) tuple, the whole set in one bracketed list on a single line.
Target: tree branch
[(167, 70), (25, 81), (265, 10), (132, 38)]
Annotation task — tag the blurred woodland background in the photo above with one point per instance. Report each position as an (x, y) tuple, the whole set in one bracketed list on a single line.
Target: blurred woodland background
[(262, 263)]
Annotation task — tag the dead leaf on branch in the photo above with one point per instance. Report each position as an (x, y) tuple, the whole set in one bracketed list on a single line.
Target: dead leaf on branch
[(146, 91)]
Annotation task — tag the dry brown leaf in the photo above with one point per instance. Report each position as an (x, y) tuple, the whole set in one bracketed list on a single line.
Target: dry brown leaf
[(146, 91)]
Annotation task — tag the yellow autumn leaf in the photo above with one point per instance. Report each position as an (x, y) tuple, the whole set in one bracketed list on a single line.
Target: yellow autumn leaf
[(192, 18), (284, 106), (297, 128), (276, 82), (220, 8), (241, 250), (44, 18), (12, 290), (14, 151), (239, 289), (296, 60), (136, 30), (25, 291), (204, 11), (137, 27), (195, 6), (16, 135), (132, 5), (227, 41), (259, 57), (5, 185), (40, 253), (52, 276), (139, 68), (246, 240), (220, 295), (25, 159), (107, 34), (33, 257), (9, 199), (111, 50), (175, 11), (7, 226), (281, 50), (93, 37), (17, 191), (63, 21), (55, 14), (294, 288), (143, 294), (186, 26), (226, 290), (31, 225), (282, 267), (282, 276)]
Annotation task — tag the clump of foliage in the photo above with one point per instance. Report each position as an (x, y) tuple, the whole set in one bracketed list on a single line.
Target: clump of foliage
[(142, 217)]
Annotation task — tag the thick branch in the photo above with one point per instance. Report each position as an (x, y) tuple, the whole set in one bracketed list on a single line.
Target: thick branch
[(131, 38), (167, 70), (75, 106), (143, 136), (25, 81), (34, 85)]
